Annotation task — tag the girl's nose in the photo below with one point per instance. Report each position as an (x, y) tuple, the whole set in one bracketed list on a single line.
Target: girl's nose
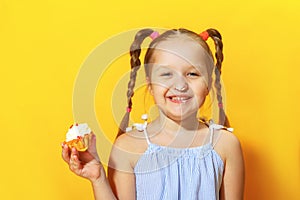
[(180, 84)]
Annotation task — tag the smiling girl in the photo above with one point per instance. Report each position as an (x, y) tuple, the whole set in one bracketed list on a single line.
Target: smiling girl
[(176, 156)]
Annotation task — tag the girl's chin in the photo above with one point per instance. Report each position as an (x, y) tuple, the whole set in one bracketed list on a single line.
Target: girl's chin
[(180, 116), (179, 112)]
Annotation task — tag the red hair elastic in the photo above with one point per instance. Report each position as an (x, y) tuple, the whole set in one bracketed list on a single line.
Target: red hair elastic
[(204, 35), (128, 109)]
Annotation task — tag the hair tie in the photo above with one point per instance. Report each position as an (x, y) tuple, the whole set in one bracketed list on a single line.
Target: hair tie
[(128, 109), (154, 35), (204, 35), (220, 105)]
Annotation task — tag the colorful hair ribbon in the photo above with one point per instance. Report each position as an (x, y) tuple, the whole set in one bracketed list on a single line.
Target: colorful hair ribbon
[(204, 35), (128, 109), (154, 35)]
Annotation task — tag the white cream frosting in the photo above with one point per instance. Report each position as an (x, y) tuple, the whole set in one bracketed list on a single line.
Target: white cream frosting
[(77, 130)]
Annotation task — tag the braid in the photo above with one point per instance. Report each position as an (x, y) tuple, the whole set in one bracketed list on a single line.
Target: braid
[(135, 51), (217, 38)]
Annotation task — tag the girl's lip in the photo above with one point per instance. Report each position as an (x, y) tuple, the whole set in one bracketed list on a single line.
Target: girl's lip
[(179, 99)]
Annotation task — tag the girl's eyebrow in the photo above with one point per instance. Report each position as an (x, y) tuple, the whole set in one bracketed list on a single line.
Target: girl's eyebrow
[(161, 67), (166, 66)]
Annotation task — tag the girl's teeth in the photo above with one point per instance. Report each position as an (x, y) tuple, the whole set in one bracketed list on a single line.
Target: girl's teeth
[(179, 98)]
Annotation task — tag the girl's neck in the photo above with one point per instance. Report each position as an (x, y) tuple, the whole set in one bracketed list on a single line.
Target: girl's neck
[(187, 125)]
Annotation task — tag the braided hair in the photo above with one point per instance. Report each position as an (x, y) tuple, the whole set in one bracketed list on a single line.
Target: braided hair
[(135, 63), (217, 38)]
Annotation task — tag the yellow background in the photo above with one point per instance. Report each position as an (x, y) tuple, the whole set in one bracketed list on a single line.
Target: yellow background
[(44, 43)]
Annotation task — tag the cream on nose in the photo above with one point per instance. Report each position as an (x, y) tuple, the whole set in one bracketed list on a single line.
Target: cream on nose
[(180, 84)]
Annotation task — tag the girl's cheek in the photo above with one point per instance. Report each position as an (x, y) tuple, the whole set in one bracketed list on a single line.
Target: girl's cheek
[(165, 83)]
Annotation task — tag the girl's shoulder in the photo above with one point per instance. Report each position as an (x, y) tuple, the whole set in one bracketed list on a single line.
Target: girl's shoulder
[(226, 144), (228, 138), (133, 141), (126, 151)]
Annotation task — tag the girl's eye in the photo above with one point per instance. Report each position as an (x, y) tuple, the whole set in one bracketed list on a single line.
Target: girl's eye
[(166, 74), (193, 74)]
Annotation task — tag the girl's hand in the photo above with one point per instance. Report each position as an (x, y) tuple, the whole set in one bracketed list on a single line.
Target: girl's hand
[(85, 164)]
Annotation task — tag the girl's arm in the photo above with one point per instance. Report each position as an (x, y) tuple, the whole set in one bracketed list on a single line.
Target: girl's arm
[(233, 180), (87, 165), (120, 169), (102, 190)]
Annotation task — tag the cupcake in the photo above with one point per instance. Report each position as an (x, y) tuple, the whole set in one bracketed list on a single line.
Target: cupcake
[(78, 136)]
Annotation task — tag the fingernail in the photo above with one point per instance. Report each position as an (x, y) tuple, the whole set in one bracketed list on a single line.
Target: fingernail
[(63, 144)]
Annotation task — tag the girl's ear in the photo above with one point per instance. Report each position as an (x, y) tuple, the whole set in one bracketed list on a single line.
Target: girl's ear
[(149, 85), (207, 90)]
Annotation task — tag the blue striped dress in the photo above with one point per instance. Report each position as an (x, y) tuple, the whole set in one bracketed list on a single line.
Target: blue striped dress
[(167, 173)]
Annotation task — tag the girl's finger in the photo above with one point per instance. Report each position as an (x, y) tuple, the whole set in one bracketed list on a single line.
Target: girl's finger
[(92, 140), (75, 164), (74, 152), (92, 146), (65, 153), (74, 160)]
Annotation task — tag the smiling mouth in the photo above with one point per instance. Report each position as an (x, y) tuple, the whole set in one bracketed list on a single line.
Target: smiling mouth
[(179, 99)]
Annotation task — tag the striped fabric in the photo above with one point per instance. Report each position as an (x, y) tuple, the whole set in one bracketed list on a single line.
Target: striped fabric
[(166, 173)]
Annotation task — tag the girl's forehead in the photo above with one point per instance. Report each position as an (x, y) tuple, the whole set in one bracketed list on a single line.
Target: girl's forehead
[(185, 50)]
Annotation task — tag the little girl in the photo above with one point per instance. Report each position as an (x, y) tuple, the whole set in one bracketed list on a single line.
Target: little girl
[(177, 155)]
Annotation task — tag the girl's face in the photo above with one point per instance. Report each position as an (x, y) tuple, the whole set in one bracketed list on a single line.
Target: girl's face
[(178, 87)]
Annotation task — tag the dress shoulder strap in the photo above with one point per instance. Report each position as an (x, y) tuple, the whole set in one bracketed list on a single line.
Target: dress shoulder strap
[(146, 136), (212, 127), (141, 127)]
